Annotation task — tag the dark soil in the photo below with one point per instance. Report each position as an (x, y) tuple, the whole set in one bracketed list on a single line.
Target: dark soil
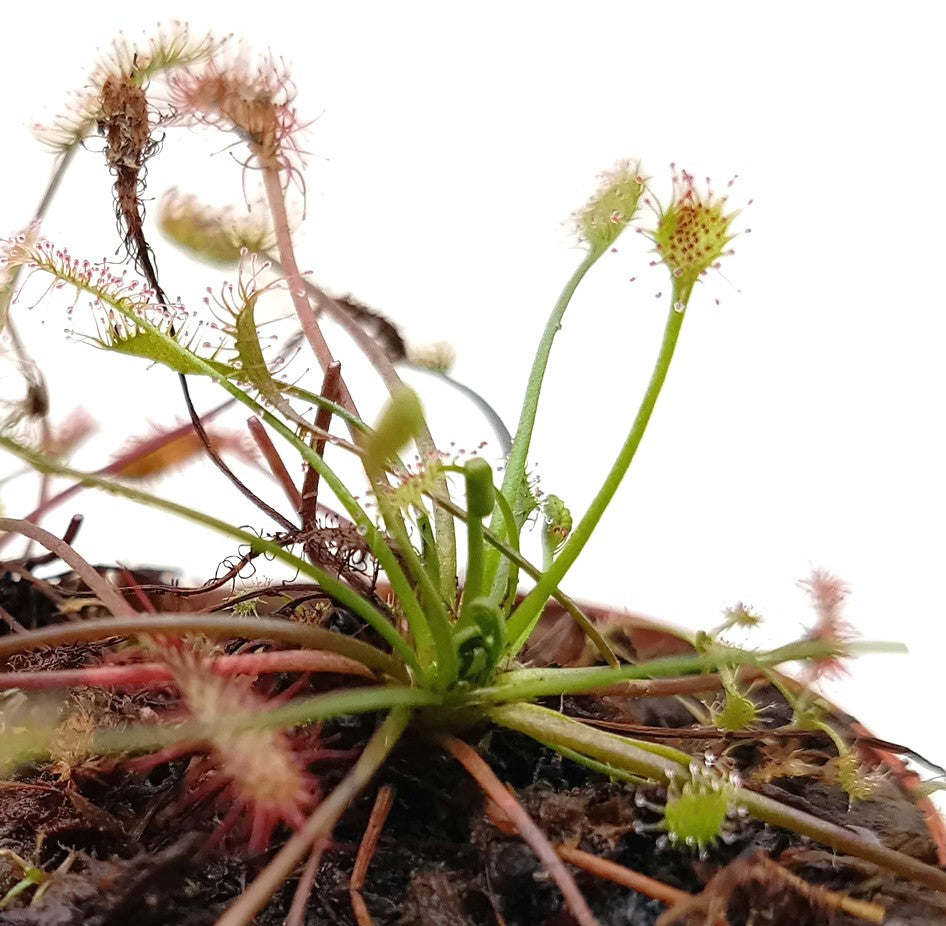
[(440, 862)]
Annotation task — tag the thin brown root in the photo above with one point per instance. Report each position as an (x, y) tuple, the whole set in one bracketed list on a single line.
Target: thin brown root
[(711, 904), (296, 915), (218, 461), (620, 874), (599, 867), (528, 830), (369, 843), (132, 583)]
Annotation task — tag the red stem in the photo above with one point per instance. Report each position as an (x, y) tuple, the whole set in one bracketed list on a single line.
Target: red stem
[(135, 675)]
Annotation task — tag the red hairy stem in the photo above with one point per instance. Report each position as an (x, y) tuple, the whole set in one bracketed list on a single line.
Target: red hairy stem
[(320, 824)]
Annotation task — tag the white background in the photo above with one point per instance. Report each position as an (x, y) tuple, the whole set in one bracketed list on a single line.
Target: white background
[(801, 423)]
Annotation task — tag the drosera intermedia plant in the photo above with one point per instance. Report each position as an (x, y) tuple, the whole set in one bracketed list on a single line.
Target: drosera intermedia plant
[(432, 654)]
